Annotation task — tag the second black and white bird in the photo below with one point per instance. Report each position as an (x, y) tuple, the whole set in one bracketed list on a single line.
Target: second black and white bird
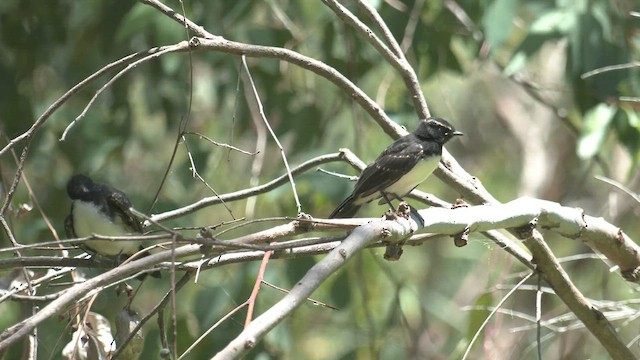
[(103, 210), (401, 167)]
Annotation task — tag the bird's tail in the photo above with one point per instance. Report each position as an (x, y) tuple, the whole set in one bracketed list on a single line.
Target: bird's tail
[(347, 209)]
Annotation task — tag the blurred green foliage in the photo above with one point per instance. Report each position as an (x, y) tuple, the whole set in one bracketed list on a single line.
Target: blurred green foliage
[(407, 309)]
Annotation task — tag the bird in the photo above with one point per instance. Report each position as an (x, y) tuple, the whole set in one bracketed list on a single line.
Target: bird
[(103, 210), (401, 167)]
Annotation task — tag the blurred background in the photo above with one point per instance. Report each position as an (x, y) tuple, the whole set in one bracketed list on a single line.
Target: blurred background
[(509, 74)]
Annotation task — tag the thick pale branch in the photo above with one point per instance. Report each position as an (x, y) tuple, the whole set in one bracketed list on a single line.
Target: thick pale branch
[(524, 212), (592, 318), (357, 240), (209, 41), (227, 46), (569, 222), (566, 221), (77, 292)]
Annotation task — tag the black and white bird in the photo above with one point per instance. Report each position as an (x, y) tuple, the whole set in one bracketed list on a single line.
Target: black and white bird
[(102, 210), (401, 167)]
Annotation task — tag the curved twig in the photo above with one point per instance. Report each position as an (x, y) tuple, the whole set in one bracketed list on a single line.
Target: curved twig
[(242, 194), (256, 97)]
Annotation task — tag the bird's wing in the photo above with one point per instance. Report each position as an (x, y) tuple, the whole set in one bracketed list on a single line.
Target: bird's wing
[(394, 162), (121, 202), (346, 209)]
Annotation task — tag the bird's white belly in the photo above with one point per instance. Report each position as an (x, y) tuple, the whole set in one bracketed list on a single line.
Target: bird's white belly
[(417, 175), (87, 220)]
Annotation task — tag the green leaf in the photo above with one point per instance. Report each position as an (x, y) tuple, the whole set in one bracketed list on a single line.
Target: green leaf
[(529, 46), (497, 21), (556, 21), (628, 131), (596, 126), (633, 118), (517, 63)]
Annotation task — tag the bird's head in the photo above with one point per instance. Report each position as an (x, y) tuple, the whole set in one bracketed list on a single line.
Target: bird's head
[(436, 129), (79, 186)]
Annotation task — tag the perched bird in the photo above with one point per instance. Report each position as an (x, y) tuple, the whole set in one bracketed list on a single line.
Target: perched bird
[(401, 167), (103, 210)]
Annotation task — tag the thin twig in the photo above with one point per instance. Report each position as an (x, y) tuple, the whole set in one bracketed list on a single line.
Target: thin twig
[(219, 43), (338, 175), (619, 186), (486, 320), (74, 90), (209, 330), (148, 56), (592, 318), (256, 98), (190, 25), (401, 64), (357, 240), (242, 194), (630, 65), (196, 174), (261, 147), (5, 207), (539, 316), (412, 24), (33, 198), (230, 147), (256, 287), (312, 301), (183, 281)]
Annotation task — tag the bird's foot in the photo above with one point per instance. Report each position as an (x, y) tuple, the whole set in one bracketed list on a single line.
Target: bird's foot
[(305, 222), (404, 211), (459, 203), (124, 288)]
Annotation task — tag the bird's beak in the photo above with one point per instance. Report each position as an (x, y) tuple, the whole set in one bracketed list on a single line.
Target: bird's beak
[(457, 133)]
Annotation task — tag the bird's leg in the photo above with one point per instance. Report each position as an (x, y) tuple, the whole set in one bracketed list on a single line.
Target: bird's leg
[(386, 198), (120, 258), (414, 212)]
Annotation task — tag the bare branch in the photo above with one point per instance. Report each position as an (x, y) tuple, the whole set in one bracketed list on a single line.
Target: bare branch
[(566, 221), (318, 67), (393, 55), (165, 300), (631, 65), (256, 98), (620, 186), (209, 41), (593, 319), (243, 194), (357, 240), (149, 56), (74, 90), (230, 147), (493, 311), (190, 25)]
